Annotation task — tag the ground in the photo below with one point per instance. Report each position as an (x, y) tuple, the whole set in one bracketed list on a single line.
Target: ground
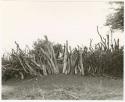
[(64, 87)]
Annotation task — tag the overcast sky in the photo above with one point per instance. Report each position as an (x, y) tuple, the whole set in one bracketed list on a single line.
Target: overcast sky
[(26, 21)]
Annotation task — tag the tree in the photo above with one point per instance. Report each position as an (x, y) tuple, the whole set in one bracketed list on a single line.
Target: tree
[(116, 19)]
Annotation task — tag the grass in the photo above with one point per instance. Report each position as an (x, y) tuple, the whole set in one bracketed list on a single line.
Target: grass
[(63, 87)]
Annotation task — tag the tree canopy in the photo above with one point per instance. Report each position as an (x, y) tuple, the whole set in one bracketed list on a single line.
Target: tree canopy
[(116, 19)]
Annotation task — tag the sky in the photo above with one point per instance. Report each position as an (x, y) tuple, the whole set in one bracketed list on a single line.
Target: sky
[(26, 21)]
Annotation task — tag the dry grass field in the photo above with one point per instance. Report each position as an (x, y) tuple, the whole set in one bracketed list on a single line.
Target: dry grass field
[(63, 87)]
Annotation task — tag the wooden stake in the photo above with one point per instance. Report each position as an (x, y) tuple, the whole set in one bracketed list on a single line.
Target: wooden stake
[(65, 58), (81, 64)]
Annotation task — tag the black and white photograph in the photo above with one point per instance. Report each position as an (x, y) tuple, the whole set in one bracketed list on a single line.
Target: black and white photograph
[(62, 49)]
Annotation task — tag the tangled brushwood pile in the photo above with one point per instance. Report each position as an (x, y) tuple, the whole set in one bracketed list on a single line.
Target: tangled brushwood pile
[(46, 58), (39, 61), (104, 58)]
